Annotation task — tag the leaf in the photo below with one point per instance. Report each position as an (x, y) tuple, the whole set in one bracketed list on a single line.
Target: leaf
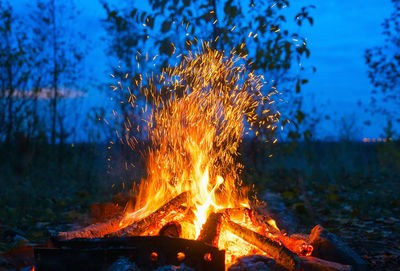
[(298, 86), (299, 116), (230, 10), (307, 135), (166, 26), (304, 81), (166, 47)]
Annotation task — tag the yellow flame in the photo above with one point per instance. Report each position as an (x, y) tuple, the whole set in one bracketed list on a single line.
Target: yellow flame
[(197, 120)]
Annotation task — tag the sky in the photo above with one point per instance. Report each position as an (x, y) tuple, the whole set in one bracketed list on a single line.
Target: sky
[(342, 31), (337, 41)]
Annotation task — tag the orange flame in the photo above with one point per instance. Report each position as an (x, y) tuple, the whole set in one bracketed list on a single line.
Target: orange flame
[(199, 113)]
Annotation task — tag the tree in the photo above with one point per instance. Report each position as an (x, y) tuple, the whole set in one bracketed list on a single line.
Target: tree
[(59, 54), (384, 67), (253, 28), (14, 73)]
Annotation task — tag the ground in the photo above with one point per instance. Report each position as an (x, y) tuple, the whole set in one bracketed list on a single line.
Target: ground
[(349, 188)]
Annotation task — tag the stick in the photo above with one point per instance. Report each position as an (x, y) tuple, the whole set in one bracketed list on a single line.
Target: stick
[(141, 226), (212, 229), (278, 251)]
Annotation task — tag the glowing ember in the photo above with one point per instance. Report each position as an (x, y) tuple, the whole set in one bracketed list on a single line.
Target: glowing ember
[(200, 110)]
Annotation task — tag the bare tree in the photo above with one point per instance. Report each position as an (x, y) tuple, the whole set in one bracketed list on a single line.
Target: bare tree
[(60, 56), (14, 72)]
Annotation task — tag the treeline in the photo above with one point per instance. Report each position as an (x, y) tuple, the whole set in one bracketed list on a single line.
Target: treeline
[(40, 58), (42, 52)]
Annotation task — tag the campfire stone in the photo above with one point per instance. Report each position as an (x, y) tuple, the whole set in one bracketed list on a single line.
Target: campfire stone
[(329, 247), (253, 263), (123, 264), (315, 264), (181, 267)]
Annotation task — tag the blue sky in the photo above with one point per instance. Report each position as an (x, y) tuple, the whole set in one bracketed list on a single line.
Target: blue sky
[(341, 32), (338, 39)]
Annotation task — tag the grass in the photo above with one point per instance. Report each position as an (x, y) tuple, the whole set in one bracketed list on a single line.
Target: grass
[(349, 187), (352, 189)]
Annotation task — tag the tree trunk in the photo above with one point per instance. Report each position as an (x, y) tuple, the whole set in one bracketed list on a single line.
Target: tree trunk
[(55, 76)]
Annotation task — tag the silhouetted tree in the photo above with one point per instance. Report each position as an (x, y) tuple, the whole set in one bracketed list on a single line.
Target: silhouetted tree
[(60, 52), (14, 73), (257, 29), (384, 67)]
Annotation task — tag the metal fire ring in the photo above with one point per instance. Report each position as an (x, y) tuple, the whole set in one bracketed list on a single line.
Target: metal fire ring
[(146, 252)]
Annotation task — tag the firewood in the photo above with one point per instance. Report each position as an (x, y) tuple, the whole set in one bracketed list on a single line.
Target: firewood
[(238, 213), (211, 229), (254, 217), (140, 226), (171, 229), (329, 247), (94, 230), (299, 246), (276, 250), (263, 220)]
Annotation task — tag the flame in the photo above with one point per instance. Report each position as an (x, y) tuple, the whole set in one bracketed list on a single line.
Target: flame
[(200, 110)]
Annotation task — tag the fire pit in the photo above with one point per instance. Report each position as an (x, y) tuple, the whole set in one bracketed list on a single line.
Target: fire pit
[(192, 208), (143, 252), (263, 238)]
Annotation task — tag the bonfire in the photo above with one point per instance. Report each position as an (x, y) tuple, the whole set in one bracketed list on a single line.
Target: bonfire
[(200, 110)]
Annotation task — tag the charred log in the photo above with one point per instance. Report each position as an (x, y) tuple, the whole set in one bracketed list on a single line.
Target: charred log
[(265, 221), (171, 229), (276, 250), (256, 218), (94, 230), (212, 229), (141, 226), (298, 246), (329, 247)]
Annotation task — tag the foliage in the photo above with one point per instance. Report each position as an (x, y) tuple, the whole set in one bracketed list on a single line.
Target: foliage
[(15, 72), (389, 153), (341, 180), (39, 60), (58, 56), (257, 29), (349, 189), (38, 190), (384, 67)]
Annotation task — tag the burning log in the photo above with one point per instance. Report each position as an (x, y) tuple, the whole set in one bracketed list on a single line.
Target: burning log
[(255, 217), (211, 229), (141, 226), (276, 250), (265, 221), (94, 230), (171, 229), (298, 246)]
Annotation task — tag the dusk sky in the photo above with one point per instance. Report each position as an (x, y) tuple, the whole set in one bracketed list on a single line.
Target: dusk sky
[(341, 32)]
